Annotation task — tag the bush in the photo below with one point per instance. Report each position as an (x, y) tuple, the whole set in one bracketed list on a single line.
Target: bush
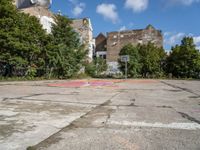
[(96, 68)]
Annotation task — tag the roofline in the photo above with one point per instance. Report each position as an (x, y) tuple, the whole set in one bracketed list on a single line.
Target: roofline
[(79, 18), (125, 31), (100, 34), (132, 30)]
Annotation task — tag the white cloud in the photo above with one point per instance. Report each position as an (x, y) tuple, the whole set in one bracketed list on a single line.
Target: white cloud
[(78, 9), (137, 5), (197, 40), (109, 12), (167, 34), (183, 2), (171, 39), (122, 28)]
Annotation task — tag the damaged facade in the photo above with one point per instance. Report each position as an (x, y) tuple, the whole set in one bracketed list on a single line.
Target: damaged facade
[(84, 28), (40, 9), (117, 40)]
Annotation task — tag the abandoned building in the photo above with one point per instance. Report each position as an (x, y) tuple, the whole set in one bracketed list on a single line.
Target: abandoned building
[(40, 9), (84, 28), (113, 43)]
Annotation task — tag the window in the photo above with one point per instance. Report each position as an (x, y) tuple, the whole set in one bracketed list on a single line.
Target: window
[(103, 56)]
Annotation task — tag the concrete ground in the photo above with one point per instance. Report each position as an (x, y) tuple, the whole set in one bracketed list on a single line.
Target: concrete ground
[(100, 115)]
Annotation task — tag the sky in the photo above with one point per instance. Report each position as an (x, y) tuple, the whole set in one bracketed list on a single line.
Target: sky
[(175, 18)]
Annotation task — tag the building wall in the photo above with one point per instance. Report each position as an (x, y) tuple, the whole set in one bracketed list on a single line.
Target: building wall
[(29, 3), (101, 54), (39, 10), (101, 42), (84, 28), (117, 40)]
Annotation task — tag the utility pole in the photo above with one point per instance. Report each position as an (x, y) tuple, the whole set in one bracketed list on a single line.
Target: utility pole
[(125, 59), (126, 69)]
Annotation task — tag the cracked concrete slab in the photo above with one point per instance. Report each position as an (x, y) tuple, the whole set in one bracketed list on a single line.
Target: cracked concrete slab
[(130, 114)]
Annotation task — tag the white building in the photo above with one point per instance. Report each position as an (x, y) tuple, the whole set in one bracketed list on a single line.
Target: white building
[(40, 9)]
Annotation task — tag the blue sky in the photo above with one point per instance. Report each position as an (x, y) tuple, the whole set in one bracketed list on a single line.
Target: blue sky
[(176, 18)]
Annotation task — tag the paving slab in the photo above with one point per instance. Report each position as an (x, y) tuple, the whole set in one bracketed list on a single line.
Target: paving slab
[(100, 114)]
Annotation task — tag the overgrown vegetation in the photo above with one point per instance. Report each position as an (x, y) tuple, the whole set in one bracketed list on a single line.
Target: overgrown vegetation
[(28, 49), (184, 60), (145, 60), (96, 68), (133, 66), (65, 53), (151, 61)]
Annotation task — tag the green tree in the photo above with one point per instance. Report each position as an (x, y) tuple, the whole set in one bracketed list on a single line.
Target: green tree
[(65, 53), (151, 59), (96, 67), (184, 60), (133, 64), (21, 37)]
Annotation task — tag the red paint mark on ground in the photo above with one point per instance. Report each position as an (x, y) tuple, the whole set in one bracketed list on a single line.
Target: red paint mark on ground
[(69, 84), (83, 83), (98, 83)]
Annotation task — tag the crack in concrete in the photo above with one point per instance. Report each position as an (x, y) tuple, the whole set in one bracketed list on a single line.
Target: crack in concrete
[(83, 103), (178, 87), (164, 106), (184, 115), (39, 94), (194, 97), (83, 122)]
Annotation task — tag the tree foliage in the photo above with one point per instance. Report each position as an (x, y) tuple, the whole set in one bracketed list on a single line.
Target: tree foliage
[(133, 65), (184, 60), (21, 37), (25, 44), (65, 52), (151, 59), (145, 60), (96, 67)]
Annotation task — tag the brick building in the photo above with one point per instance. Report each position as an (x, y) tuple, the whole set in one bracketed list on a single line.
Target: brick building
[(117, 40)]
